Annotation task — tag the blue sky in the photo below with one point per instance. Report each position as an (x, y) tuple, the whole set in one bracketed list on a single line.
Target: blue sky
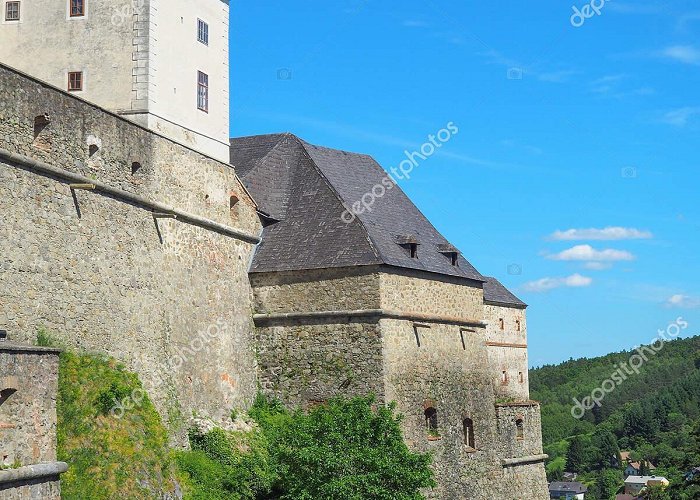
[(560, 128)]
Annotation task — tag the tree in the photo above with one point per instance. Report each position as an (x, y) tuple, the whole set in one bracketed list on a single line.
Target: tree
[(607, 451), (343, 449), (576, 455), (607, 484)]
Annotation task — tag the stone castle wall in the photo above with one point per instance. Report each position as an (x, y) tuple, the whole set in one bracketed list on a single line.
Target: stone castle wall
[(102, 274), (434, 357), (28, 387), (508, 351)]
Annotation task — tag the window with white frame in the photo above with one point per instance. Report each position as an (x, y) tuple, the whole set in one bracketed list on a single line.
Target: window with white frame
[(12, 11), (203, 91), (77, 8), (202, 32)]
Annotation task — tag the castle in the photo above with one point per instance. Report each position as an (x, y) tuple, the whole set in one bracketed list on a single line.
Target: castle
[(126, 229)]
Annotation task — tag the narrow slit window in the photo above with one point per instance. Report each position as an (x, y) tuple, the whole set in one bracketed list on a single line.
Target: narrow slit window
[(77, 8), (431, 422), (504, 377), (203, 91), (202, 32), (519, 429), (517, 324), (75, 81), (12, 11), (468, 427), (501, 324), (521, 377)]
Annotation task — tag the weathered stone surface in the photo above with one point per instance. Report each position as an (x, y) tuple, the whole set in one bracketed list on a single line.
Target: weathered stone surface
[(170, 300), (422, 364)]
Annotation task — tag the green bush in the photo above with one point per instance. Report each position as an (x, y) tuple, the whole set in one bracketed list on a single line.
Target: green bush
[(109, 457), (227, 465), (344, 449)]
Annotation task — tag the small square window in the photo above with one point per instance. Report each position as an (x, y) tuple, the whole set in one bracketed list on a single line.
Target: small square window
[(12, 11), (203, 91), (75, 81), (77, 8), (202, 32)]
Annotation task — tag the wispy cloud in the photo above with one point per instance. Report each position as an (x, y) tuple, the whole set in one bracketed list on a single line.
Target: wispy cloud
[(683, 301), (686, 54), (609, 233), (546, 284), (680, 117), (589, 254)]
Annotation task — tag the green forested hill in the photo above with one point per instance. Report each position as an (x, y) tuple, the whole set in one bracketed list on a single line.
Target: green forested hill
[(654, 413)]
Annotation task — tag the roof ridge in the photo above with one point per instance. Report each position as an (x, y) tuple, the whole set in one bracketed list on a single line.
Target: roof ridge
[(330, 185)]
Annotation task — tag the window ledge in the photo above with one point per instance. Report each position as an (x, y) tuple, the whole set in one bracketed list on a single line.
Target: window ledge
[(434, 438)]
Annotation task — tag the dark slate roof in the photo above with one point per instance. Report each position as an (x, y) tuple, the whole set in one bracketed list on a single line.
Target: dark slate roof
[(496, 293), (573, 487), (306, 189)]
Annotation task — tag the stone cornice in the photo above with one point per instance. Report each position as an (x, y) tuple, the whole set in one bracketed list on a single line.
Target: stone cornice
[(367, 313), (530, 459), (99, 187), (506, 344), (49, 471)]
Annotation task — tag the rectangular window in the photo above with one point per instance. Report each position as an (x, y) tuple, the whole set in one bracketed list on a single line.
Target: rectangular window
[(202, 32), (77, 8), (12, 11), (203, 91), (75, 81)]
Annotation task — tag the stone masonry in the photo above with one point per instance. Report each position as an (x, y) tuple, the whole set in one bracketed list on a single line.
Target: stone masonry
[(28, 386), (95, 267), (435, 357)]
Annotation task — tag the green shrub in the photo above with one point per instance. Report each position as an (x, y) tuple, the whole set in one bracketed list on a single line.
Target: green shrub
[(344, 449), (108, 457), (227, 465)]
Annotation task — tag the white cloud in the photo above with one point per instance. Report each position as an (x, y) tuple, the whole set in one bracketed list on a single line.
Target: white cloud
[(683, 301), (607, 233), (686, 54), (590, 254), (679, 117), (546, 284)]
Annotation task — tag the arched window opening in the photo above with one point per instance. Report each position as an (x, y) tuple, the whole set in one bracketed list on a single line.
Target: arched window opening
[(431, 423), (519, 428), (468, 427)]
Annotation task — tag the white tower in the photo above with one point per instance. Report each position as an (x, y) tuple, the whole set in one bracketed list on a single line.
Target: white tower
[(160, 63)]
